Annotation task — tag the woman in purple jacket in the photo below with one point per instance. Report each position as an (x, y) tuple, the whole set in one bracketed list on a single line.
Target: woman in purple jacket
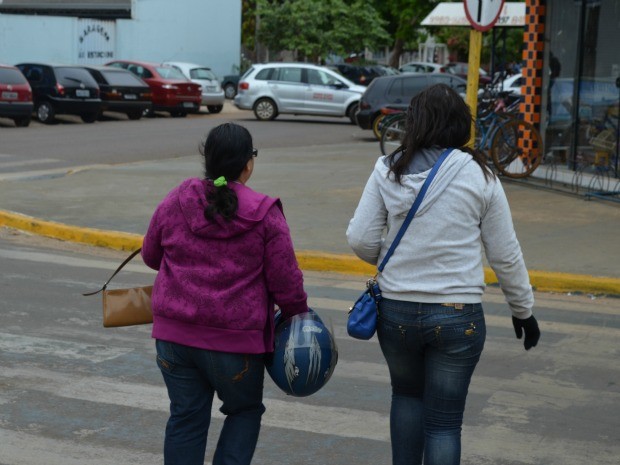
[(224, 257)]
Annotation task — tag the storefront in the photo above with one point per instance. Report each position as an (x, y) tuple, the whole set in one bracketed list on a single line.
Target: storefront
[(580, 100)]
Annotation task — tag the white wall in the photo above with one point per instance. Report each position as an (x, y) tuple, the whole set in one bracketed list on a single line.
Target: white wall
[(37, 38), (206, 32)]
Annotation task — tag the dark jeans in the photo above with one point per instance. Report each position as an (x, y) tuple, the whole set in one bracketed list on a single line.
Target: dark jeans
[(192, 377), (431, 351)]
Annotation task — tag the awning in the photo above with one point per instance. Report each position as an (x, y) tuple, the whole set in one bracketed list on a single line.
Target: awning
[(453, 14)]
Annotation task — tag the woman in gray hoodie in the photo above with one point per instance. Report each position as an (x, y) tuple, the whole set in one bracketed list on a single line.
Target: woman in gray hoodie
[(431, 325)]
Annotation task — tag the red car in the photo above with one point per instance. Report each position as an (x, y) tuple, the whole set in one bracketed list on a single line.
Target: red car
[(15, 96), (172, 91)]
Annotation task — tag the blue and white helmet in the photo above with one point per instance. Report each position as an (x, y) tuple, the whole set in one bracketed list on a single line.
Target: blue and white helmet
[(305, 355)]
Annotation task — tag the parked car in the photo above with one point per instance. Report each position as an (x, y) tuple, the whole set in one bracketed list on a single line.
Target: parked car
[(362, 75), (511, 84), (212, 93), (15, 96), (62, 89), (121, 91), (460, 69), (171, 91), (297, 88), (229, 84), (422, 67), (397, 91)]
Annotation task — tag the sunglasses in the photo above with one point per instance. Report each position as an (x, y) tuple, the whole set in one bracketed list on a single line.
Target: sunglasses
[(254, 153)]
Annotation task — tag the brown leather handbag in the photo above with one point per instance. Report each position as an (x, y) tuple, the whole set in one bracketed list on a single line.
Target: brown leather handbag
[(125, 307)]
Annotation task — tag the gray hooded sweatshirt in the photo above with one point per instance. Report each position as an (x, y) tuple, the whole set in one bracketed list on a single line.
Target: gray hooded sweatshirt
[(439, 259)]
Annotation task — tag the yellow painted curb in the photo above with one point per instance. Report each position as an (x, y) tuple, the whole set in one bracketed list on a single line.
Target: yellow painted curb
[(308, 260), (92, 236), (541, 280)]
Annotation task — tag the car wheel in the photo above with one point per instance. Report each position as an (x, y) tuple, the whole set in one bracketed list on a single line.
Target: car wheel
[(134, 115), (45, 113), (265, 110), (215, 108), (352, 112), (89, 117), (230, 90), (22, 122)]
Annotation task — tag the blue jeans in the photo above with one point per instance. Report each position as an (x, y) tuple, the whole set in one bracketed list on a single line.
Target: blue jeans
[(192, 377), (431, 351)]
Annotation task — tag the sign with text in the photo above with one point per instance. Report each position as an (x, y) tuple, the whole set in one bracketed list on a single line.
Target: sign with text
[(482, 14), (96, 41)]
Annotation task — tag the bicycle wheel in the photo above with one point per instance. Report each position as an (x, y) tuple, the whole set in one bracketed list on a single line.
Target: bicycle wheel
[(516, 149), (392, 135), (376, 124)]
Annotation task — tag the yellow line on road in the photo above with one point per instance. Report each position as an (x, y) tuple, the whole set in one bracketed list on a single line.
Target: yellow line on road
[(308, 260)]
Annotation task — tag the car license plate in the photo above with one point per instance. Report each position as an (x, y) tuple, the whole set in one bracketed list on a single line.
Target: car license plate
[(82, 93), (211, 88), (9, 95), (188, 104), (130, 96)]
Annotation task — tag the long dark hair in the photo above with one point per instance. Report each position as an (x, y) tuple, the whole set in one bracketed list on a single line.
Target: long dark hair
[(226, 150), (437, 116)]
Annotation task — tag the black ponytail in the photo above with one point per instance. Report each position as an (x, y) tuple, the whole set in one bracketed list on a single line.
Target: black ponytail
[(226, 150), (221, 201)]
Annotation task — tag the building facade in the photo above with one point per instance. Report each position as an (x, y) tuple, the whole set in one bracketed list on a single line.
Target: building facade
[(207, 32), (572, 80)]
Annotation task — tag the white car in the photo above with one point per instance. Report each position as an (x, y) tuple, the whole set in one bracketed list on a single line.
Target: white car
[(422, 67), (512, 84), (212, 92), (271, 89)]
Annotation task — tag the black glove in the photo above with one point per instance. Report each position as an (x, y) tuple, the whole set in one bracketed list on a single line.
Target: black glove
[(529, 326)]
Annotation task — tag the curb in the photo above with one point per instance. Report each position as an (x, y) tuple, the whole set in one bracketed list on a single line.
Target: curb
[(544, 281)]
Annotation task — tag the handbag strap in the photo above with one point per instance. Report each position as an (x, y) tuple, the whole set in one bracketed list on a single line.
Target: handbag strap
[(414, 207), (127, 260)]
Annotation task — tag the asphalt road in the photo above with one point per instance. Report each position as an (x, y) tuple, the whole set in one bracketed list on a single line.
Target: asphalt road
[(71, 142), (74, 393)]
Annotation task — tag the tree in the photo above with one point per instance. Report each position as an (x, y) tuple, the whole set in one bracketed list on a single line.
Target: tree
[(313, 29), (403, 18)]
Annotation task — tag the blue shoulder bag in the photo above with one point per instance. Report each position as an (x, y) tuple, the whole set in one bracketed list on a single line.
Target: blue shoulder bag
[(362, 321)]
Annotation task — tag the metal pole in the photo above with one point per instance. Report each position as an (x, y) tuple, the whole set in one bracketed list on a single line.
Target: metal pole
[(473, 71), (617, 127), (577, 85)]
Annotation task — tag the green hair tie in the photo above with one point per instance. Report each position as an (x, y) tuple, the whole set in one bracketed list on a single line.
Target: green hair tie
[(219, 182)]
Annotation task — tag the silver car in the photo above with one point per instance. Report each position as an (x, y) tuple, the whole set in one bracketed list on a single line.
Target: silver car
[(212, 92), (297, 88)]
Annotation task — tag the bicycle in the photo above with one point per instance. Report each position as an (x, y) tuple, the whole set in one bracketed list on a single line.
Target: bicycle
[(392, 131), (512, 146)]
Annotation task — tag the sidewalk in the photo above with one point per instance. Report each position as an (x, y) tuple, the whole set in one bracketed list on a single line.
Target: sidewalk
[(569, 244)]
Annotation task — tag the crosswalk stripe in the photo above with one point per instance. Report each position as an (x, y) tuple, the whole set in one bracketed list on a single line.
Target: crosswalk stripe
[(21, 448), (295, 415), (39, 161), (39, 346)]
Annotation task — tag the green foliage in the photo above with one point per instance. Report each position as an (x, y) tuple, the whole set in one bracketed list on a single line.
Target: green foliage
[(403, 19), (315, 28)]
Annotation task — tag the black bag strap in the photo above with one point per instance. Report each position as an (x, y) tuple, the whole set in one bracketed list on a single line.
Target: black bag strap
[(414, 207), (127, 260)]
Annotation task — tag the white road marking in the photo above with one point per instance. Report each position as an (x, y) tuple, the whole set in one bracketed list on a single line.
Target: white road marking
[(27, 345), (40, 161)]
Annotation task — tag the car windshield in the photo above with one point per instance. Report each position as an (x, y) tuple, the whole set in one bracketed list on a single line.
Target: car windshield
[(11, 76), (168, 72), (202, 73), (119, 78), (73, 76)]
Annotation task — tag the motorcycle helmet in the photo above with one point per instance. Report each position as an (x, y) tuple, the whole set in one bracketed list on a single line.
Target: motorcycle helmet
[(305, 355)]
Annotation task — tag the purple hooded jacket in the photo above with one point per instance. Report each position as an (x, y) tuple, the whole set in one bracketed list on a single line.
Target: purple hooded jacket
[(218, 280)]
